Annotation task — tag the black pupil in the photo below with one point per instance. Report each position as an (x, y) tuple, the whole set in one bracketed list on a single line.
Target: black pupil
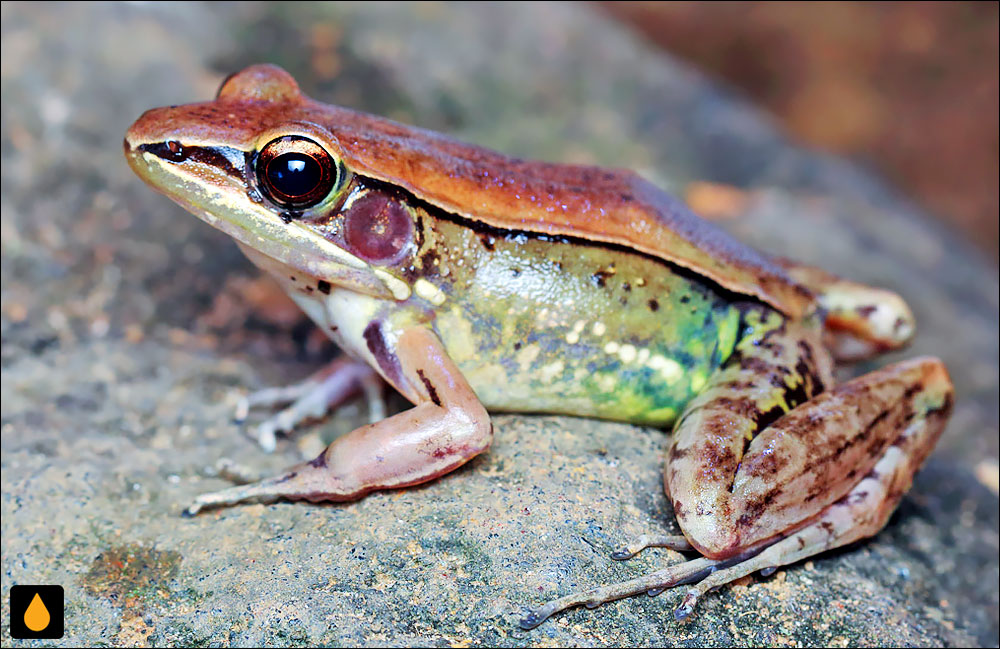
[(294, 174)]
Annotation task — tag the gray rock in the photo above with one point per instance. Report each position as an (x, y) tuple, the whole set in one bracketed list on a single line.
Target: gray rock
[(126, 330)]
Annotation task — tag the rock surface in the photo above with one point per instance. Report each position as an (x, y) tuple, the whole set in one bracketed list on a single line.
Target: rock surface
[(127, 326)]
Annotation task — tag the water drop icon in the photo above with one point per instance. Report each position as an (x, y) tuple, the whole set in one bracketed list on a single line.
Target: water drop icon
[(36, 617)]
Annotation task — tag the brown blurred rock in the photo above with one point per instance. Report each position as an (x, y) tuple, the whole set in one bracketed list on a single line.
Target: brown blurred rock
[(910, 86)]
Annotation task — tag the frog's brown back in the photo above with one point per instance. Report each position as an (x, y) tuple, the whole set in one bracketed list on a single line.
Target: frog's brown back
[(606, 205), (609, 205)]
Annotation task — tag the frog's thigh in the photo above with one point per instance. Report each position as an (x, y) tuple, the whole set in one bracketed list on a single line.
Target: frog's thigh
[(866, 508), (806, 460), (447, 427)]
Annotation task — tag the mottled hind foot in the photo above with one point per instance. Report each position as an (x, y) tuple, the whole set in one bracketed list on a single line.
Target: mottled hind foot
[(652, 584), (673, 541)]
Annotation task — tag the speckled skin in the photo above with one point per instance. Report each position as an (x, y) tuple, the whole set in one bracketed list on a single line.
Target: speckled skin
[(550, 324), (579, 329), (541, 324), (770, 461)]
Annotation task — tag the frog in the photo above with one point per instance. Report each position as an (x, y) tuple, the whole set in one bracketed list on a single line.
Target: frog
[(474, 282)]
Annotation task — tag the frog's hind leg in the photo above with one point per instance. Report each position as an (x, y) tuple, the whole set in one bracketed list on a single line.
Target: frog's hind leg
[(767, 466), (742, 470), (861, 512), (865, 510), (322, 392)]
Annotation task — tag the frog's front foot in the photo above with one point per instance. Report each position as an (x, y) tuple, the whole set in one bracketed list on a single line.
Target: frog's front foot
[(322, 392)]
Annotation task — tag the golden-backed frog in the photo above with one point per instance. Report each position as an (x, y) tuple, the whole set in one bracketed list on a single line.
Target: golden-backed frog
[(471, 281)]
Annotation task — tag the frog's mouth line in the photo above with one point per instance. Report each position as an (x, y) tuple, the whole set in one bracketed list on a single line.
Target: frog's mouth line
[(209, 182)]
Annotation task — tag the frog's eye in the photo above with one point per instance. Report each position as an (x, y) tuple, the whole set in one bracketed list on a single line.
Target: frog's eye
[(296, 172)]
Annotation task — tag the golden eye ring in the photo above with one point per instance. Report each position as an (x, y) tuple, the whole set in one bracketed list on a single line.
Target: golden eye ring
[(296, 172)]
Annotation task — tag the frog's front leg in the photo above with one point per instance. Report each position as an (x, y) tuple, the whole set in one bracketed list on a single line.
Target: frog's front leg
[(768, 467), (447, 427)]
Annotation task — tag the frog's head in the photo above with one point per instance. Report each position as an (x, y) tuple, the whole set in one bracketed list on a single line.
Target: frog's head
[(258, 164)]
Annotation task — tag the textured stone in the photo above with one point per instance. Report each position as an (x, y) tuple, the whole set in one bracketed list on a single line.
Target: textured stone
[(128, 325)]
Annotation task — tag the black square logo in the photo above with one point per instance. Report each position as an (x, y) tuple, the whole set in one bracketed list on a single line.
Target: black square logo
[(36, 612)]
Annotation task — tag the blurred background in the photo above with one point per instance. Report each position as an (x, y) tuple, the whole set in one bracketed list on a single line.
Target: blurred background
[(907, 87)]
